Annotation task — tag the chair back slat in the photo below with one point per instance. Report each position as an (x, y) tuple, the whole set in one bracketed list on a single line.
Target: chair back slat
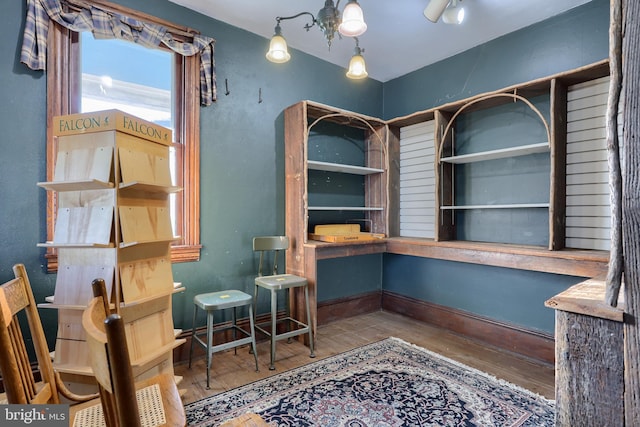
[(92, 322), (122, 374), (272, 245), (110, 361), (22, 359), (9, 365), (16, 297)]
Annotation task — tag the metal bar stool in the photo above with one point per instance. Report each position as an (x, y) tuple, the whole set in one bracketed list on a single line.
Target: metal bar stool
[(222, 300), (275, 283)]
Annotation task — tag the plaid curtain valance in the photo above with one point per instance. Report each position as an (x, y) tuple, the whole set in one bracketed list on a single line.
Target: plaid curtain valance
[(107, 25)]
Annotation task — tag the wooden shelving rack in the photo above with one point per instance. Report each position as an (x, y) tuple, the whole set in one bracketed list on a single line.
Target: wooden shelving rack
[(112, 181)]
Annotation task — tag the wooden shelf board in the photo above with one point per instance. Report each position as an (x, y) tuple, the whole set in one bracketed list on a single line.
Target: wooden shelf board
[(337, 167), (353, 237), (73, 245), (343, 208), (158, 353), (60, 306), (130, 244), (149, 187), (173, 290), (502, 153), (574, 262), (505, 206), (91, 184), (50, 303), (74, 369)]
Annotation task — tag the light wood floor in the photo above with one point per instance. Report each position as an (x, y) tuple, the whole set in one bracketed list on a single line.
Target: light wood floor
[(231, 370)]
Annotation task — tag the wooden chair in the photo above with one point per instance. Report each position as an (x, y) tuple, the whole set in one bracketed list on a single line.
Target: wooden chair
[(123, 400), (21, 387)]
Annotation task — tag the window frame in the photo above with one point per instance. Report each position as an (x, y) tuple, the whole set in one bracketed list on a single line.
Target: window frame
[(63, 97)]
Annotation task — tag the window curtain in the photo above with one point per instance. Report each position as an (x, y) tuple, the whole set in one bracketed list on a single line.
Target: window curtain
[(105, 25)]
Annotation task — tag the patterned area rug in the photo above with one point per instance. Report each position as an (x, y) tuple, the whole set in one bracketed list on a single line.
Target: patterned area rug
[(388, 383)]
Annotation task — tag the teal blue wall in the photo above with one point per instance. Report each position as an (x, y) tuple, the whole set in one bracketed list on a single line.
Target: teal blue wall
[(577, 37), (573, 39), (333, 143), (345, 277), (503, 294), (242, 172), (499, 181)]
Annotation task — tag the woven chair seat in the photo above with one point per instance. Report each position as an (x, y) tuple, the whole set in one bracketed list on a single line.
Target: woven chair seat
[(149, 401)]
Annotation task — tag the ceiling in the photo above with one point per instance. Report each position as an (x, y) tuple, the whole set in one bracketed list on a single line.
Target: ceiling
[(398, 40)]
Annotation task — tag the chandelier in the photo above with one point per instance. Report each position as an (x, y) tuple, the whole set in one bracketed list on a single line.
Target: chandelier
[(328, 19)]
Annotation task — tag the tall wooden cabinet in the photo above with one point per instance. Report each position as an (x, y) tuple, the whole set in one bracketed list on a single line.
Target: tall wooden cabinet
[(310, 150), (112, 182), (337, 170)]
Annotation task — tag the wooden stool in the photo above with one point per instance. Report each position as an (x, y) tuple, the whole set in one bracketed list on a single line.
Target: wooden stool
[(222, 300)]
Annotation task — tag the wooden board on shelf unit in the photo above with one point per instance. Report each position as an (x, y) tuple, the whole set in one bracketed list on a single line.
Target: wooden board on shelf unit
[(145, 166), (145, 224), (72, 357), (149, 328), (88, 197), (163, 364), (335, 233), (111, 120), (79, 185), (83, 225), (73, 283), (86, 163), (356, 237), (87, 256), (68, 326), (144, 278), (498, 154)]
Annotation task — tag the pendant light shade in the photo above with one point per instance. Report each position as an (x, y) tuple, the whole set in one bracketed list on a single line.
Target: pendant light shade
[(435, 9), (278, 51), (357, 67), (353, 23)]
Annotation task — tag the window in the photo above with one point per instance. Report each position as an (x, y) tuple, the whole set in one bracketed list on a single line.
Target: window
[(70, 84), (111, 78)]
